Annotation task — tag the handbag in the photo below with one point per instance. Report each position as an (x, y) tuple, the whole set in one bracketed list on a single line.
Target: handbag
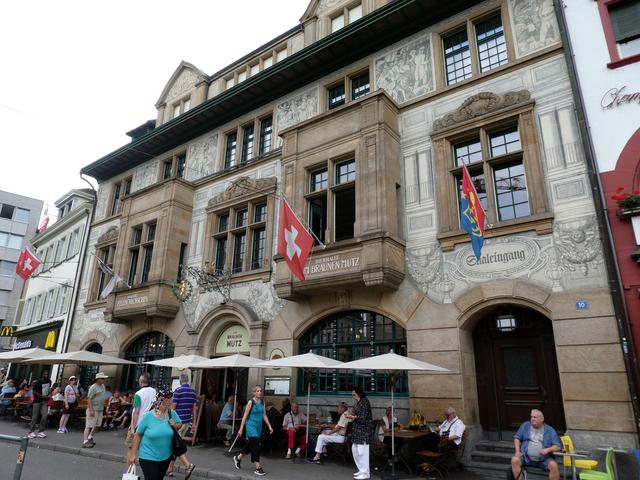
[(178, 445), (130, 474)]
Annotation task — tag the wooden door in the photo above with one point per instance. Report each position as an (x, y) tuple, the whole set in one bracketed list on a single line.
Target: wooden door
[(516, 370)]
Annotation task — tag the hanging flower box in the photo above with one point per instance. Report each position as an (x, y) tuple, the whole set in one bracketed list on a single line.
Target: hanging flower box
[(628, 203)]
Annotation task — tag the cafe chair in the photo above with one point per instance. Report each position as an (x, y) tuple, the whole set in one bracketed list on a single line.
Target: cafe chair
[(379, 451), (583, 464), (596, 475)]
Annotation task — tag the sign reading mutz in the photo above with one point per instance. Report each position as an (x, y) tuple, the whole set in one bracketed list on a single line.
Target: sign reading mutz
[(334, 263)]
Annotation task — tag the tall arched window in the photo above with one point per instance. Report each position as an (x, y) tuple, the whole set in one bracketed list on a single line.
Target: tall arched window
[(88, 372), (150, 346), (348, 336)]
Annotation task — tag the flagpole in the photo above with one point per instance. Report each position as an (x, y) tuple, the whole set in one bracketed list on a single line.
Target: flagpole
[(284, 199), (110, 269)]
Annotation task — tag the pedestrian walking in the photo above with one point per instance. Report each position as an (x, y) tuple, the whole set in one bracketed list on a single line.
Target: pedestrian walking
[(361, 433), (143, 401), (153, 440), (40, 408), (184, 403), (254, 415), (70, 401), (95, 409)]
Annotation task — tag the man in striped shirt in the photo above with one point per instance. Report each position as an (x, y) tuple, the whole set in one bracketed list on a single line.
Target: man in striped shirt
[(185, 401)]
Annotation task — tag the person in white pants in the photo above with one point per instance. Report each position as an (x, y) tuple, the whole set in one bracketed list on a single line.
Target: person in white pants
[(361, 433), (335, 435)]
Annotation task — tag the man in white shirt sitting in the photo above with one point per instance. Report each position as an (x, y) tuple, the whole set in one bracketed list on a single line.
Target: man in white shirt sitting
[(335, 435), (450, 431)]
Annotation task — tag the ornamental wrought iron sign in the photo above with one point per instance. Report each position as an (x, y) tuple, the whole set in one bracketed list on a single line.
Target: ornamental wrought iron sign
[(207, 279)]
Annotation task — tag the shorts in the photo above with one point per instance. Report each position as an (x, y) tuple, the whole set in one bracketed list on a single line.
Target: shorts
[(71, 409), (94, 421), (541, 464)]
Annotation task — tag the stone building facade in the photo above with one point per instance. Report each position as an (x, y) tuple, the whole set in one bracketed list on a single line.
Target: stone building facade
[(366, 139)]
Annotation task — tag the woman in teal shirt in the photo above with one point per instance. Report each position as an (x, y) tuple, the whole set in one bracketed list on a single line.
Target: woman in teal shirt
[(152, 443), (254, 415)]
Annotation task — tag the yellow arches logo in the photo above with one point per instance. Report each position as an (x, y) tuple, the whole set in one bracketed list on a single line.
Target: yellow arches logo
[(50, 342)]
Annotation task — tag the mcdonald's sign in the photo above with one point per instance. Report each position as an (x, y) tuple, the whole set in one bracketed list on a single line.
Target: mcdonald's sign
[(50, 342), (6, 331)]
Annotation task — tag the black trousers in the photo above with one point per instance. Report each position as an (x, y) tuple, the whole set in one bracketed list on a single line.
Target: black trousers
[(153, 470), (252, 446)]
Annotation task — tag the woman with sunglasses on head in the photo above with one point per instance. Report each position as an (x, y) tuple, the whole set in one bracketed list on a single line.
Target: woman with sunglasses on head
[(152, 442), (361, 433), (254, 415)]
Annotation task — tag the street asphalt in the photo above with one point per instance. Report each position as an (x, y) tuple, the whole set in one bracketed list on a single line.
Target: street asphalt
[(61, 456)]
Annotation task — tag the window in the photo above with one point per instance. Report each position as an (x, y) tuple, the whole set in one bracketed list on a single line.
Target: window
[(11, 240), (174, 167), (267, 62), (266, 132), (254, 69), (120, 190), (150, 346), (181, 261), (230, 151), (247, 143), (356, 86), (345, 17), (230, 82), (6, 211), (22, 215), (65, 209), (244, 240), (621, 24), (461, 62), (341, 193), (348, 336), (141, 253), (7, 267), (181, 107), (281, 55)]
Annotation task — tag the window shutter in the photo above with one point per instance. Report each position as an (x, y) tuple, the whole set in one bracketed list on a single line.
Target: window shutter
[(625, 20)]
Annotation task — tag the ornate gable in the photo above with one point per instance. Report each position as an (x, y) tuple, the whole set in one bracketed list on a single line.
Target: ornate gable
[(317, 8), (184, 79), (244, 187)]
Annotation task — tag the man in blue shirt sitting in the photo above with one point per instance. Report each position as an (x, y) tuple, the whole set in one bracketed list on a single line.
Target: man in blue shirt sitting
[(226, 419), (535, 442)]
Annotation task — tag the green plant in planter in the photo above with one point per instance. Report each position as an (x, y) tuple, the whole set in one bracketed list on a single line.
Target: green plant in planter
[(626, 201)]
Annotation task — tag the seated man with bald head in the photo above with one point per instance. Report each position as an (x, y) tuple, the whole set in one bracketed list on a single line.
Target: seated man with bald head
[(535, 442), (294, 425)]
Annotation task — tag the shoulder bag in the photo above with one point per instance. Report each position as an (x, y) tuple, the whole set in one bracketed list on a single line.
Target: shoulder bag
[(178, 445)]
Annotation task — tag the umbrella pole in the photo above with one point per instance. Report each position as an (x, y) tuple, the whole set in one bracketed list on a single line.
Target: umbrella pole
[(393, 437), (235, 401), (306, 448)]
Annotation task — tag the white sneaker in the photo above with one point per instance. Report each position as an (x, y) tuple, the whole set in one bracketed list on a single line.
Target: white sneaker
[(32, 435), (60, 430), (42, 435)]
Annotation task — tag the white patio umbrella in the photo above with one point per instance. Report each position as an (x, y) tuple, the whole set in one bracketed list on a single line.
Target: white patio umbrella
[(392, 362), (19, 355), (308, 361), (181, 362), (81, 357), (236, 362)]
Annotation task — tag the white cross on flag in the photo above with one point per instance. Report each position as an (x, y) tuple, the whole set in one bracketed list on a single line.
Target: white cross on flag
[(294, 241), (27, 264)]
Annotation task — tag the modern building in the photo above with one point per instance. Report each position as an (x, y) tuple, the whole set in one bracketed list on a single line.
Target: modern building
[(361, 117), (605, 42), (19, 217), (44, 316)]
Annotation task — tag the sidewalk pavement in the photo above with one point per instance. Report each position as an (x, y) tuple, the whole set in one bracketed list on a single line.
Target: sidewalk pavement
[(212, 461)]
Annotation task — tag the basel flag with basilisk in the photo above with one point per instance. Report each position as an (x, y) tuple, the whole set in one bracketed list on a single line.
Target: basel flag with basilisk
[(471, 213), (294, 241)]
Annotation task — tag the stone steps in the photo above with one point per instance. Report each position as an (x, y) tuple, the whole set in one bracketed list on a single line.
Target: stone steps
[(491, 459)]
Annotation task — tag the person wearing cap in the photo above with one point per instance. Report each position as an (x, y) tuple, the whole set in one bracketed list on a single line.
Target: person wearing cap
[(95, 409), (153, 441), (70, 401)]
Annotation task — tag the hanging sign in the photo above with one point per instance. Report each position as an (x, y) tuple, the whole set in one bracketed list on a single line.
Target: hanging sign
[(234, 339)]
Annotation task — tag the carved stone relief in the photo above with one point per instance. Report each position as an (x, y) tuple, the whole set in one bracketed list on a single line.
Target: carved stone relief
[(481, 104), (578, 244), (263, 300), (407, 72), (111, 235), (424, 264), (324, 5), (102, 201), (201, 157), (534, 24), (297, 109), (244, 186), (185, 82), (145, 176)]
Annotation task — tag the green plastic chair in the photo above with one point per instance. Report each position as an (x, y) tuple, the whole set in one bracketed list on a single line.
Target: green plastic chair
[(595, 475)]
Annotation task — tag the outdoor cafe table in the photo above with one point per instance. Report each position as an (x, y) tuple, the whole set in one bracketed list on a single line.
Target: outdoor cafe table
[(406, 436)]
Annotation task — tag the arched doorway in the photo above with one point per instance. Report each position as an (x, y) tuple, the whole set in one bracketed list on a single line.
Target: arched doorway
[(88, 372), (516, 370), (348, 336), (148, 347)]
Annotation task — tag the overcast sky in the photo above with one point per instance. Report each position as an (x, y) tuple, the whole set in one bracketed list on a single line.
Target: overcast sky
[(76, 75)]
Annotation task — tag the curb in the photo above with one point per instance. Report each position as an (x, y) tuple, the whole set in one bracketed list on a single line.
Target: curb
[(111, 457)]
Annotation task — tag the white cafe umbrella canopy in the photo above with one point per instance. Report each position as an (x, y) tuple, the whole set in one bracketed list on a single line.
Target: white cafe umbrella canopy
[(235, 361), (392, 362), (81, 357), (24, 354), (180, 362), (309, 361)]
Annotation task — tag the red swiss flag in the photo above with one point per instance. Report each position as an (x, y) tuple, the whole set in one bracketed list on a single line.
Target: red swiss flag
[(294, 241), (27, 264)]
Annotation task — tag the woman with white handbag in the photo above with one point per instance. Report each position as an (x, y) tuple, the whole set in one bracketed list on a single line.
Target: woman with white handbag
[(153, 440)]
